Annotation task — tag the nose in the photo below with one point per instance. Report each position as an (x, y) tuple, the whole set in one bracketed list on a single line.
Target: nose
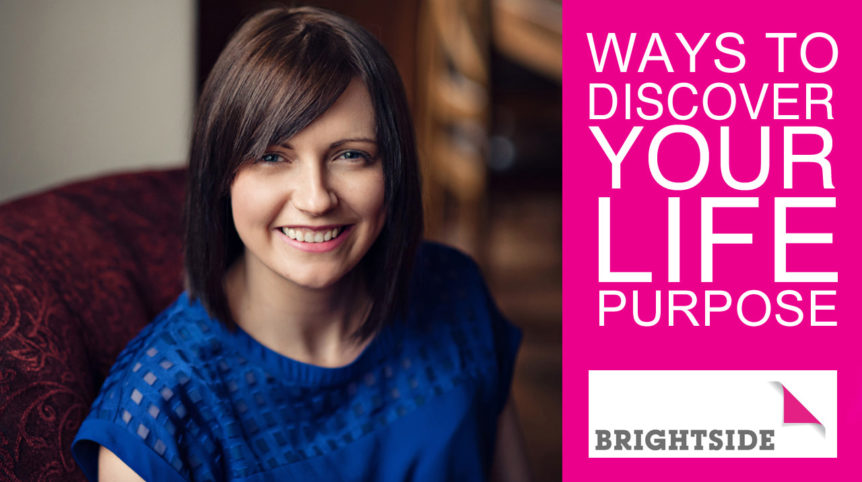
[(312, 194)]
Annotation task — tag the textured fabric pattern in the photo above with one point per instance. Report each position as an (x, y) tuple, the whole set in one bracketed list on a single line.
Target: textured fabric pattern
[(190, 399), (83, 268)]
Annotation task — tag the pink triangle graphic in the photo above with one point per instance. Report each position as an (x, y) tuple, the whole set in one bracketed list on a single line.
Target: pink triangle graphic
[(794, 411)]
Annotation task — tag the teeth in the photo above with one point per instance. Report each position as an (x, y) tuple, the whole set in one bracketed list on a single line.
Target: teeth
[(308, 236)]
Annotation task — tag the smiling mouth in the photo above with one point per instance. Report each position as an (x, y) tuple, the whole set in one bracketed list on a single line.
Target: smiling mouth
[(312, 236)]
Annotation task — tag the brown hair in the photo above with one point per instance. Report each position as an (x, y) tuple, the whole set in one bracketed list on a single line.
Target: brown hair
[(282, 69)]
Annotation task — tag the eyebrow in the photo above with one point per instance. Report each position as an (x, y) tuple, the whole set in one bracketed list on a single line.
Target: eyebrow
[(338, 142)]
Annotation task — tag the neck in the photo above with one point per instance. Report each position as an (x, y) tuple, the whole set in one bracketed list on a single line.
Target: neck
[(311, 325)]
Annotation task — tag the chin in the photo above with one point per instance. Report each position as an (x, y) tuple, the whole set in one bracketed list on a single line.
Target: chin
[(315, 282)]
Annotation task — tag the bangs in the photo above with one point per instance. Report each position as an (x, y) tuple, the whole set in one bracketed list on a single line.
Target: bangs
[(294, 73)]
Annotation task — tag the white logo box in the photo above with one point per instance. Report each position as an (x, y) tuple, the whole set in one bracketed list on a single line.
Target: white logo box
[(711, 400)]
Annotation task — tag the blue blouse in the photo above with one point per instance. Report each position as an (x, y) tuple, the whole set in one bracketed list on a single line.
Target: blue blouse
[(190, 399)]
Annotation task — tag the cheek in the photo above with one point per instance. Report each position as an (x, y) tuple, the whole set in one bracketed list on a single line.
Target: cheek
[(362, 194), (252, 205), (240, 212), (373, 202)]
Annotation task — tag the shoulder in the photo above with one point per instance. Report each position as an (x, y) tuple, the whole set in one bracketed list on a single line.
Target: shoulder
[(448, 279), (435, 256), (179, 353), (456, 316), (450, 300), (442, 270), (172, 350), (447, 291), (146, 409)]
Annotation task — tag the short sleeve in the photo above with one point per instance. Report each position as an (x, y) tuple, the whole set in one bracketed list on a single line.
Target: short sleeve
[(132, 417), (505, 340)]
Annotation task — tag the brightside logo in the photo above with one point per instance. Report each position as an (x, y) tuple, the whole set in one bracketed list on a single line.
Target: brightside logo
[(713, 414)]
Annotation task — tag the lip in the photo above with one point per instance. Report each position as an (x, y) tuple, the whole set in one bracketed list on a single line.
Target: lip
[(317, 247)]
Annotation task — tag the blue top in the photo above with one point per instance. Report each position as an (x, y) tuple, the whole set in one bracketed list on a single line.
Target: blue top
[(190, 399)]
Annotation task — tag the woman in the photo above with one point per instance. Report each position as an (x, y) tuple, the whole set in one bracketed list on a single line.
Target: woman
[(317, 339)]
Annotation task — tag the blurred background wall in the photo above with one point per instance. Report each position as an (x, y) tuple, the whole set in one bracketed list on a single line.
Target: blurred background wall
[(89, 86)]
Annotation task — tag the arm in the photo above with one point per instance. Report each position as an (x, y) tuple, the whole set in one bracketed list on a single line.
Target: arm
[(510, 458), (111, 468)]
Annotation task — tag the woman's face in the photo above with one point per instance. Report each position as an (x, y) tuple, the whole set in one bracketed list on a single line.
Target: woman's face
[(308, 210)]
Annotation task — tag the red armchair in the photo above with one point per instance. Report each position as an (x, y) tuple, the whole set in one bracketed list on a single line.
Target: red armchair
[(83, 268)]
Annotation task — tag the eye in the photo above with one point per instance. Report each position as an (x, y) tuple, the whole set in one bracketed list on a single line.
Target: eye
[(270, 157), (354, 156)]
